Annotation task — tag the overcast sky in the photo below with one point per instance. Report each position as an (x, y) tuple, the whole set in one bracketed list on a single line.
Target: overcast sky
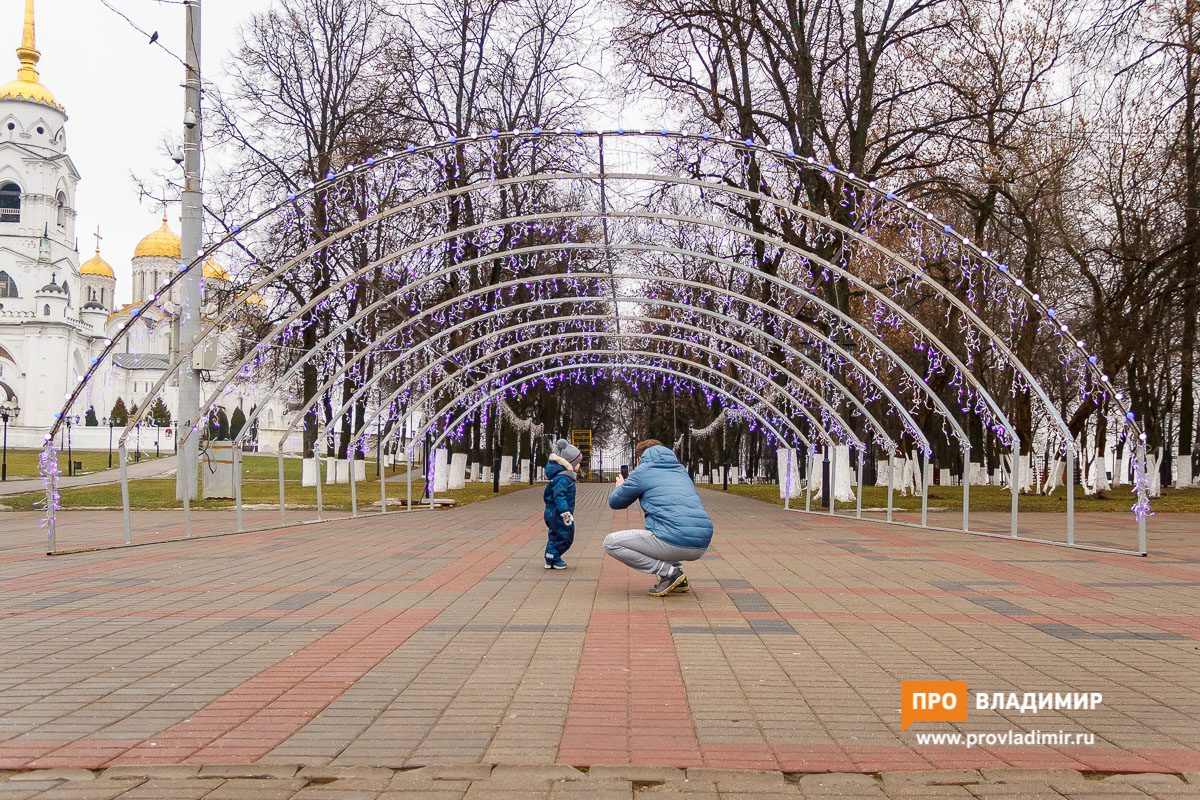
[(122, 96)]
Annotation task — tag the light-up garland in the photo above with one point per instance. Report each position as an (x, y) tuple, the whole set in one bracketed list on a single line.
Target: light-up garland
[(50, 472), (1015, 312)]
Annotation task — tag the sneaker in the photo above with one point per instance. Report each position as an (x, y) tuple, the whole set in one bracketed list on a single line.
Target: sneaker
[(555, 563), (681, 588), (668, 583)]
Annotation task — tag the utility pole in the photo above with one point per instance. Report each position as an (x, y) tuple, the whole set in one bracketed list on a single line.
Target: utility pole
[(191, 235)]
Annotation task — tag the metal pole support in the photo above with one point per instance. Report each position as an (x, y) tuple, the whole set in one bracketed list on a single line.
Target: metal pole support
[(317, 463), (829, 487), (858, 509), (787, 482), (383, 491), (1141, 523), (282, 497), (237, 486), (1071, 493), (808, 466), (431, 470), (188, 484), (125, 495), (891, 472), (926, 468), (966, 487), (1015, 477), (408, 474)]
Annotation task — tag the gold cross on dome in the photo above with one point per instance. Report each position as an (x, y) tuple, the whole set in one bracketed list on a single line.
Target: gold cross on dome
[(98, 238)]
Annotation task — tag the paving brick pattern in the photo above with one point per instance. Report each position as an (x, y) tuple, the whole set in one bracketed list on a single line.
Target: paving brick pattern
[(437, 639), (600, 782)]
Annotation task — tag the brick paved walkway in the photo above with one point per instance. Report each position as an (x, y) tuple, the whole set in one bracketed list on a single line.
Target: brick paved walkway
[(438, 639)]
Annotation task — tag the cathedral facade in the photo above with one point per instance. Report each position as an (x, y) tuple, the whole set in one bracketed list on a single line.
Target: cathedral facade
[(57, 314)]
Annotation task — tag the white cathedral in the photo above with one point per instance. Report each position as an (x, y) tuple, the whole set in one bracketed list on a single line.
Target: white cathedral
[(56, 313)]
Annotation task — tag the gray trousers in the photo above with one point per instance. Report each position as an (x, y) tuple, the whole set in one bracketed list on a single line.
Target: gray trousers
[(645, 552)]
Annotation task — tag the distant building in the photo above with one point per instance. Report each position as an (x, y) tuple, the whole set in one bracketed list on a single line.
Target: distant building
[(55, 313)]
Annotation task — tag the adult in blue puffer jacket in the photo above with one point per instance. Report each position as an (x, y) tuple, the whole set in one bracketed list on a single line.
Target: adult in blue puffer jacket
[(678, 528), (560, 502)]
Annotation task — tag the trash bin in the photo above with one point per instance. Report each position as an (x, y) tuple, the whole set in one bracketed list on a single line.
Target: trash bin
[(216, 467)]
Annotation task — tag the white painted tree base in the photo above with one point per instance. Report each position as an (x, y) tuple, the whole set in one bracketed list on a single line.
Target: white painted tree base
[(1183, 471), (978, 474), (337, 470), (506, 470), (789, 474), (308, 472), (441, 470), (457, 478)]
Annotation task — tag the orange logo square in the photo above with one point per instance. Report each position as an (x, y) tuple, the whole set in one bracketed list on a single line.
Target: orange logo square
[(932, 701)]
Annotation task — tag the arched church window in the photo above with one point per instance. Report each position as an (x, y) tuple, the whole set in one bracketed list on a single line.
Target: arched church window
[(67, 291), (101, 295), (62, 210), (8, 287), (10, 202), (46, 310)]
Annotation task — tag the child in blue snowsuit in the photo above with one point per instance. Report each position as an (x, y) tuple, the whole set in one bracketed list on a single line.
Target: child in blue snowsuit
[(560, 502)]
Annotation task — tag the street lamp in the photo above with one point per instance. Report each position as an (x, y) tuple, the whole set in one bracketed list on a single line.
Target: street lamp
[(70, 420), (7, 411), (109, 422)]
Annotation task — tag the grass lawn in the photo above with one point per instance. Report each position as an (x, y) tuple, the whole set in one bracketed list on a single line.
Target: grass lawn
[(987, 498), (159, 493), (23, 463)]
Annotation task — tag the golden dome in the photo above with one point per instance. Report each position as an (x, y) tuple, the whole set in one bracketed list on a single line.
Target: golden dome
[(97, 266), (27, 86), (215, 271), (163, 242)]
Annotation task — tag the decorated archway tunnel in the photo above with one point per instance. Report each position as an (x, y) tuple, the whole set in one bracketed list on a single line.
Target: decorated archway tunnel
[(447, 280)]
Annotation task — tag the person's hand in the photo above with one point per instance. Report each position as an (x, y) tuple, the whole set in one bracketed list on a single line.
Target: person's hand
[(620, 479), (567, 517)]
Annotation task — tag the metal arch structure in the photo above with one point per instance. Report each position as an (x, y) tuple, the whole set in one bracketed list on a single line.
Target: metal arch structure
[(386, 335), (775, 426), (774, 280), (869, 376), (888, 444), (943, 349), (789, 157), (992, 339), (809, 329), (823, 430)]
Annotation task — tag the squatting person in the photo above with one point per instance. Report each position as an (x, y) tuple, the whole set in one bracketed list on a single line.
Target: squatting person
[(677, 529)]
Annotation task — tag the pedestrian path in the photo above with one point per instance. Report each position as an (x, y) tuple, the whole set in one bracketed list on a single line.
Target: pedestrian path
[(436, 639), (149, 468)]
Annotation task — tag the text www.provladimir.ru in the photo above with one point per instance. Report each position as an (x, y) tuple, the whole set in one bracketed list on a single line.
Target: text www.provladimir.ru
[(1007, 738)]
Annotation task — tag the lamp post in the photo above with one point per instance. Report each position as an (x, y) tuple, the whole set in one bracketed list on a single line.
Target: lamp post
[(157, 437), (137, 448), (175, 434), (7, 411), (70, 420), (109, 422)]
